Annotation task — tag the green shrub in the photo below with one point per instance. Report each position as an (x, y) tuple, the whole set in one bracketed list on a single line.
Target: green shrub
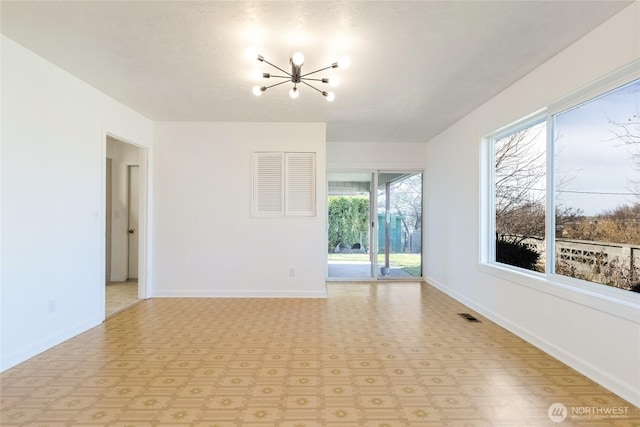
[(516, 254), (348, 221)]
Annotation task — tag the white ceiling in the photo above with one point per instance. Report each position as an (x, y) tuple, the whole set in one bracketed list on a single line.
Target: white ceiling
[(417, 66)]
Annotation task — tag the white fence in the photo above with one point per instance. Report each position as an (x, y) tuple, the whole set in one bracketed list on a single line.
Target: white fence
[(615, 264)]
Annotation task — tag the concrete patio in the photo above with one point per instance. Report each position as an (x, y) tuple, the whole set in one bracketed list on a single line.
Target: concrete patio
[(359, 269)]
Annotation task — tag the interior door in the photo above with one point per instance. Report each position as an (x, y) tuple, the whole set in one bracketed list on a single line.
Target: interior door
[(133, 217), (350, 253)]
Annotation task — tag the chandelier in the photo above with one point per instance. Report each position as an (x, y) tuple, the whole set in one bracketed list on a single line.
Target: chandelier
[(296, 77)]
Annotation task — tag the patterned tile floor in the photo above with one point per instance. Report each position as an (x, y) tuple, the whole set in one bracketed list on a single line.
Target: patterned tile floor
[(380, 355), (120, 295)]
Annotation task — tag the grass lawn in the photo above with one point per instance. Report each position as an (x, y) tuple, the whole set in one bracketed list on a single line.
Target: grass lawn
[(407, 261)]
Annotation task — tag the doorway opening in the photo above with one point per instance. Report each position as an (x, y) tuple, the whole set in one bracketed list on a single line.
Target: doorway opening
[(122, 237), (350, 207), (374, 225)]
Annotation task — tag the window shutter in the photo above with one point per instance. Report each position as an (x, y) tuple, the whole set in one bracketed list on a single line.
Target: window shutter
[(300, 184), (284, 184), (268, 184)]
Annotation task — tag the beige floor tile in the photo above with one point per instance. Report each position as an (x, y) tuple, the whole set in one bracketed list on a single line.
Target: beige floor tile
[(380, 355)]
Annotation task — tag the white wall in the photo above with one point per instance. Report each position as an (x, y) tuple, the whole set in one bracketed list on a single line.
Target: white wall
[(376, 155), (205, 241), (123, 155), (600, 337), (53, 155)]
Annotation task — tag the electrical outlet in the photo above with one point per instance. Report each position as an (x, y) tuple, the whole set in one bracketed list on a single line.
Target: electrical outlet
[(292, 272)]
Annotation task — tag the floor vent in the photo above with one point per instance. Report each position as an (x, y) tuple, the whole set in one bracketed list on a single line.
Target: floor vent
[(469, 317)]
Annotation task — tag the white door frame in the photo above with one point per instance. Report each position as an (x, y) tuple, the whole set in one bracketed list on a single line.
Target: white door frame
[(143, 222), (108, 226)]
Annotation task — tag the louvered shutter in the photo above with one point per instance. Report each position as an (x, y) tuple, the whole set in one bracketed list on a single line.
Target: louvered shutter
[(300, 184), (268, 184), (284, 184)]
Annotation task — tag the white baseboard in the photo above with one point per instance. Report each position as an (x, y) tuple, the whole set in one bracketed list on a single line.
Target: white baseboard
[(238, 294), (20, 355), (615, 385)]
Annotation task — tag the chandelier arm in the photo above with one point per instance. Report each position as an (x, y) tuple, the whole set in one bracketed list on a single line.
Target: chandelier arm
[(277, 84), (312, 87), (314, 80), (280, 77), (317, 71), (275, 66)]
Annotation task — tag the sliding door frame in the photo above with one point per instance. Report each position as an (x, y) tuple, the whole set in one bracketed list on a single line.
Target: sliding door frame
[(375, 274)]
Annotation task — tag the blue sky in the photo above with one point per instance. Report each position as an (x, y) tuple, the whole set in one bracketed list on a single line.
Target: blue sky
[(598, 167)]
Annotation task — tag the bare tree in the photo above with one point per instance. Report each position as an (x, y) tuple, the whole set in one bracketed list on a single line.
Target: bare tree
[(406, 202), (520, 179), (628, 132), (519, 185)]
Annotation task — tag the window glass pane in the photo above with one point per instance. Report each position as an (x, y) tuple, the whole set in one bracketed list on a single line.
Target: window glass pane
[(349, 217), (399, 219), (520, 197), (597, 189)]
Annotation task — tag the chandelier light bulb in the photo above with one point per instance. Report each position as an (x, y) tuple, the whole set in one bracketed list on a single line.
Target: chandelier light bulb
[(257, 90), (334, 81), (297, 58), (344, 62), (251, 53), (293, 93), (256, 74), (330, 96)]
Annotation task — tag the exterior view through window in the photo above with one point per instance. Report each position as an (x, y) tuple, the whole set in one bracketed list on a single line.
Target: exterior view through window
[(596, 192), (399, 217), (374, 225), (520, 173), (597, 189)]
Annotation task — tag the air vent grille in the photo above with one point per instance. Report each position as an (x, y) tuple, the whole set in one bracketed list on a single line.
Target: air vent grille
[(469, 317)]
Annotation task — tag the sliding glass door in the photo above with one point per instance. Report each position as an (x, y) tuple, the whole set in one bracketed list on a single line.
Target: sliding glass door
[(350, 254), (374, 225), (399, 224)]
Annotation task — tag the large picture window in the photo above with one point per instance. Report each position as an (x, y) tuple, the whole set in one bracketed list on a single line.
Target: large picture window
[(597, 189), (588, 154)]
